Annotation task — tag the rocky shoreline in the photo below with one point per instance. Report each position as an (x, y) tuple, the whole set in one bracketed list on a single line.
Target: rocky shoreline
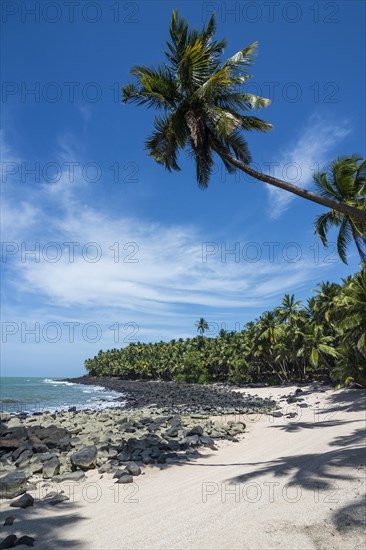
[(159, 423), (177, 398)]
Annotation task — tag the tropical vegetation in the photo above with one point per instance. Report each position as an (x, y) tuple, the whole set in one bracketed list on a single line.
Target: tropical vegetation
[(322, 339), (344, 181)]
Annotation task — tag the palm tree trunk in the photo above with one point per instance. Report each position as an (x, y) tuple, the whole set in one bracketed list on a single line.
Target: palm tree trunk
[(355, 213)]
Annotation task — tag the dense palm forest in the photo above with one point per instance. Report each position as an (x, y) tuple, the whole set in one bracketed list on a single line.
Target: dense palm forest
[(324, 339)]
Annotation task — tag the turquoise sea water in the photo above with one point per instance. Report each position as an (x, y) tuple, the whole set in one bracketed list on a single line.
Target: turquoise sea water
[(28, 394)]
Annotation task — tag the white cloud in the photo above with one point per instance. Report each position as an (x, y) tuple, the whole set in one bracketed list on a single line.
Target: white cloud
[(167, 284), (299, 161)]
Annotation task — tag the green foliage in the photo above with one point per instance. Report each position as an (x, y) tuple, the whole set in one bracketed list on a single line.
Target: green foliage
[(205, 108), (345, 181), (326, 340)]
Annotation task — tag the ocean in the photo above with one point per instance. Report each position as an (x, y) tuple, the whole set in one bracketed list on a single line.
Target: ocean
[(26, 394)]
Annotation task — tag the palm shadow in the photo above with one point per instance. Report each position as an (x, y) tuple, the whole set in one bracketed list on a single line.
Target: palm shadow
[(49, 532), (314, 470)]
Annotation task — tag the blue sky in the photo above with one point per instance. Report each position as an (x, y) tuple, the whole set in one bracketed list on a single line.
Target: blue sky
[(124, 250)]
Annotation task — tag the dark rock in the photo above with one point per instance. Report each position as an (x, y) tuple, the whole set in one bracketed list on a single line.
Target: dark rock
[(13, 484), (8, 542), (25, 540), (276, 414), (291, 399), (24, 501), (18, 432), (171, 432), (54, 498), (133, 468), (125, 478), (207, 441), (196, 430), (86, 458), (64, 443), (124, 457), (40, 448), (9, 520), (8, 444)]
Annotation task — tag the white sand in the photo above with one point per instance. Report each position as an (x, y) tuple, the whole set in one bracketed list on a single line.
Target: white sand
[(288, 484)]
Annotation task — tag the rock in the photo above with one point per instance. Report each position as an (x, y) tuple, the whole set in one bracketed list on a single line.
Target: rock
[(69, 476), (54, 498), (24, 501), (133, 468), (276, 414), (19, 451), (124, 457), (207, 441), (291, 399), (25, 540), (8, 542), (40, 448), (86, 458), (196, 430), (18, 432), (51, 468), (64, 444), (171, 432), (302, 405), (9, 520), (13, 484), (8, 444), (125, 478), (119, 473), (107, 467)]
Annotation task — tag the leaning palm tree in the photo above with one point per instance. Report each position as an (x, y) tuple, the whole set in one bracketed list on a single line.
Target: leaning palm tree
[(345, 181), (204, 109)]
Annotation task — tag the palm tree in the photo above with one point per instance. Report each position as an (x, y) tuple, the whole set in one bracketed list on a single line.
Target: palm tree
[(345, 181), (289, 310), (203, 110), (202, 325)]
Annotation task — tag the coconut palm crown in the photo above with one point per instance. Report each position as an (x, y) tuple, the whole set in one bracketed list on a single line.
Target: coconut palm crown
[(344, 181), (204, 109)]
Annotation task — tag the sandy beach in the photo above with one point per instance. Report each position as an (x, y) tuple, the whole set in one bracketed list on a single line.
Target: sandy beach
[(294, 481)]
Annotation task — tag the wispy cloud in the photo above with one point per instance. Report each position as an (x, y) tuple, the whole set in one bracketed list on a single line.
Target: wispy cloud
[(310, 152), (90, 263)]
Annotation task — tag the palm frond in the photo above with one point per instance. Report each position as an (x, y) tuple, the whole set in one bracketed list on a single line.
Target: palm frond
[(344, 239)]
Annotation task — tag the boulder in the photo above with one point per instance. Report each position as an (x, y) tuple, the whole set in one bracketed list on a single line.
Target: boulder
[(86, 458), (133, 468), (125, 478), (13, 484), (24, 501), (51, 468), (25, 541), (8, 542), (9, 444)]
